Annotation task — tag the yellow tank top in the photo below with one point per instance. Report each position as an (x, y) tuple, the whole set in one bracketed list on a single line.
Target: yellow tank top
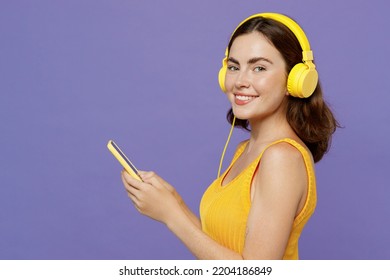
[(224, 210)]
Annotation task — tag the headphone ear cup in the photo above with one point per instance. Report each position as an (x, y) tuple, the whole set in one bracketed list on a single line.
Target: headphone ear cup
[(302, 80), (222, 75)]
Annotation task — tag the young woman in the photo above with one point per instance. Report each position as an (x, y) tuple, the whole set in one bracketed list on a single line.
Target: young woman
[(258, 207)]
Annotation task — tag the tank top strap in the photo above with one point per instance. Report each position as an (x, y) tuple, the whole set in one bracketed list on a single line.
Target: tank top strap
[(305, 154), (239, 150), (289, 141)]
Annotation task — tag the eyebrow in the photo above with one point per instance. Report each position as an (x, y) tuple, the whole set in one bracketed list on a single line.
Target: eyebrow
[(252, 60)]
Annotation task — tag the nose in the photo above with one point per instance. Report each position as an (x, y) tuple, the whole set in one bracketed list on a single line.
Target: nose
[(242, 80)]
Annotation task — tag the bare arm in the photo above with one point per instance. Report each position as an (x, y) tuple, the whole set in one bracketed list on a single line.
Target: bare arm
[(279, 186)]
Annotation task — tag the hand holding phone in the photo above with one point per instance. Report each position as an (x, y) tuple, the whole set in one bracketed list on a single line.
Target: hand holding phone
[(123, 160)]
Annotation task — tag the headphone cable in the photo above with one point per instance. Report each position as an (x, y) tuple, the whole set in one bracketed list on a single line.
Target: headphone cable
[(224, 149)]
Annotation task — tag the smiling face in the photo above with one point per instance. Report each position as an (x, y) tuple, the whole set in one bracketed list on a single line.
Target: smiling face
[(255, 78)]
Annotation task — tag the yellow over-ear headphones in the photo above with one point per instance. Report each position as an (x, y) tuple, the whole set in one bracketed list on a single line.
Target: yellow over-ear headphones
[(303, 77)]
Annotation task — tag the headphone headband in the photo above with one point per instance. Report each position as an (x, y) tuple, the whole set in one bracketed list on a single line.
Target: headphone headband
[(307, 53)]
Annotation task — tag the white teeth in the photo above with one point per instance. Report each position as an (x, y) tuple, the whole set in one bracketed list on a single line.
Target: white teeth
[(244, 98)]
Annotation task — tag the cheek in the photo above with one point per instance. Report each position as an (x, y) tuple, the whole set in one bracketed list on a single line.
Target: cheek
[(282, 81), (229, 82), (271, 84)]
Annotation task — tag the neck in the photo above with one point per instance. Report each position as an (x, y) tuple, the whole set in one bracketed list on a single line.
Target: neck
[(267, 130)]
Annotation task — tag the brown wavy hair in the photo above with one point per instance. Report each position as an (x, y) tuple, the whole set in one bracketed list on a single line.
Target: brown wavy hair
[(311, 118)]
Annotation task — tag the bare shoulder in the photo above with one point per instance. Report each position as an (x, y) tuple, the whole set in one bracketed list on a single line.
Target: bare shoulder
[(282, 153), (282, 165)]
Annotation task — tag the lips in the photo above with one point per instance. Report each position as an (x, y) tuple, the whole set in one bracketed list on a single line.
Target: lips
[(243, 99)]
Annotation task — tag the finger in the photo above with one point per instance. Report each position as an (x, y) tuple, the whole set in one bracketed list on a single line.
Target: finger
[(134, 193), (146, 174), (155, 180), (133, 198), (128, 180), (151, 177), (135, 202), (130, 188)]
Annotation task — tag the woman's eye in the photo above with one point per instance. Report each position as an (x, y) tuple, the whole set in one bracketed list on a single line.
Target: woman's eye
[(232, 68), (259, 69)]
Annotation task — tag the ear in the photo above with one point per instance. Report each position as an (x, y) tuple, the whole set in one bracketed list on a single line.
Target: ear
[(287, 93)]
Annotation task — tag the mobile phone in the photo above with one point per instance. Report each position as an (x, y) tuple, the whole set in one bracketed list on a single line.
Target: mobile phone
[(122, 158)]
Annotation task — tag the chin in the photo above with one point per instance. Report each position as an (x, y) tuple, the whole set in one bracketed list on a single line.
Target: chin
[(242, 114)]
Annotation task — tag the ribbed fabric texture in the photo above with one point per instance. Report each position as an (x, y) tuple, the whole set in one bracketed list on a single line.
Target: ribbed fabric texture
[(224, 210)]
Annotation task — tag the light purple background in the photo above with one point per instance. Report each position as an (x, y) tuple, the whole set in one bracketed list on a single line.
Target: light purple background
[(74, 74)]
